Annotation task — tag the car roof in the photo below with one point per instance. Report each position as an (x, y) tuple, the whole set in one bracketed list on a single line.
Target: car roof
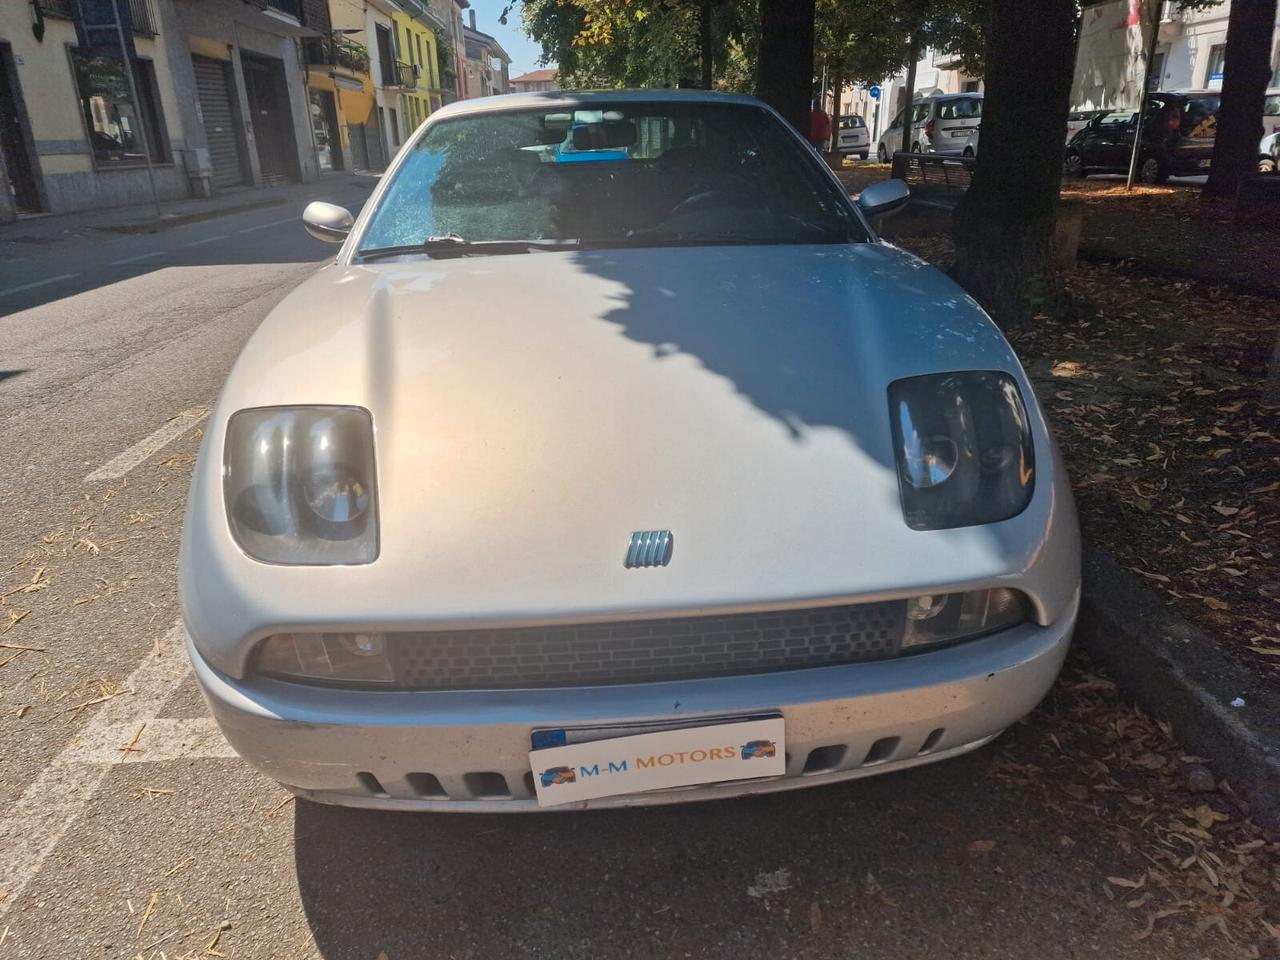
[(585, 98)]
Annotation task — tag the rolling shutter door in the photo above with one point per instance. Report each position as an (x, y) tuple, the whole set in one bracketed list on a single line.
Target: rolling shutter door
[(219, 123)]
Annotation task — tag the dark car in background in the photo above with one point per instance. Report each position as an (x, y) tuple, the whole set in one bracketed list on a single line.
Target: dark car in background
[(1177, 138)]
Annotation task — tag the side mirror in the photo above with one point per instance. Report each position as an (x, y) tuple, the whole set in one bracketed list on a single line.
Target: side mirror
[(883, 198), (327, 221)]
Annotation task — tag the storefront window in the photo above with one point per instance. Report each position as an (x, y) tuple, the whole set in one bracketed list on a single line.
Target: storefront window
[(116, 135)]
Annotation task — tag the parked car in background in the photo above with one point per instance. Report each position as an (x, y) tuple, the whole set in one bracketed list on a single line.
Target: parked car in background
[(1177, 138), (1077, 120), (854, 138), (1269, 149), (1269, 153), (701, 336), (939, 124)]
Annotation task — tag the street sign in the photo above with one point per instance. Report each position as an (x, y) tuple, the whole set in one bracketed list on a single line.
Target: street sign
[(874, 93)]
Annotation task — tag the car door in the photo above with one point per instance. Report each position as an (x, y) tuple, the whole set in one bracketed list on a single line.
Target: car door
[(1111, 143), (891, 139), (1197, 126)]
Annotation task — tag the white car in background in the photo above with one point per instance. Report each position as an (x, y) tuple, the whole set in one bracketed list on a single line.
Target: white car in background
[(940, 124), (854, 138)]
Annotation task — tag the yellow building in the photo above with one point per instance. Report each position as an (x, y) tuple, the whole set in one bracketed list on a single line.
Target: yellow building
[(416, 41)]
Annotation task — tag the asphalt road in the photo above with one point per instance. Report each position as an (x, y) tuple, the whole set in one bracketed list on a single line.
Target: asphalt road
[(127, 828)]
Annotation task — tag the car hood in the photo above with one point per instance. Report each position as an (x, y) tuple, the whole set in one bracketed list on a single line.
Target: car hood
[(531, 411)]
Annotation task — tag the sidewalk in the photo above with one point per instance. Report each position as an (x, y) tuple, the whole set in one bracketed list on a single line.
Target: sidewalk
[(41, 231)]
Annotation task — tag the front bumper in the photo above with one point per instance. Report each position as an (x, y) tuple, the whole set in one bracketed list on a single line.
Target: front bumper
[(468, 750)]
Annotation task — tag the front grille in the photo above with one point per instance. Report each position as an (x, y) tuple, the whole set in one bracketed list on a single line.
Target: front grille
[(645, 651)]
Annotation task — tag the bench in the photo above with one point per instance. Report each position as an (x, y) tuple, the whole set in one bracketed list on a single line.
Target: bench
[(935, 181)]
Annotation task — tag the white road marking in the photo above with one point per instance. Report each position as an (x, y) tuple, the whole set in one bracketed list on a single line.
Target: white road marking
[(119, 465), (264, 226), (141, 256), (161, 740), (32, 827), (39, 283), (201, 243)]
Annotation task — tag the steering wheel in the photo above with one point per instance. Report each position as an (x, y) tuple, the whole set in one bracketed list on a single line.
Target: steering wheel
[(731, 191)]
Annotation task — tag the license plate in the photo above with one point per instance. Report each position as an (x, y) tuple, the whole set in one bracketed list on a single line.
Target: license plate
[(1203, 163), (710, 753)]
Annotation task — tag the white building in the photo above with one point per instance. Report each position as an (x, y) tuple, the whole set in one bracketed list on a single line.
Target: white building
[(1189, 54)]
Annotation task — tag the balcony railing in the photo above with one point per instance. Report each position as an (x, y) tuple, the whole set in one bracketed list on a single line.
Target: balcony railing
[(139, 11), (336, 52), (400, 74), (292, 7)]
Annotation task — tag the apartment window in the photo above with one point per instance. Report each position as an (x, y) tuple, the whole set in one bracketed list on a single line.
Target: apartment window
[(395, 127), (421, 59), (1217, 60), (1157, 70), (117, 135)]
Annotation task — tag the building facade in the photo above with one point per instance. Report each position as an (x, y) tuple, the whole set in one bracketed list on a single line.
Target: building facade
[(221, 90), (452, 49), (488, 67), (535, 81), (416, 29), (1189, 54), (71, 137)]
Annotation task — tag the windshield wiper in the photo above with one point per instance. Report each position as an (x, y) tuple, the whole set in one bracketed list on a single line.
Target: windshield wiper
[(453, 245)]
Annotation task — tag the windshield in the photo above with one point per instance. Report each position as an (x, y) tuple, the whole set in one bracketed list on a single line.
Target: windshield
[(620, 174)]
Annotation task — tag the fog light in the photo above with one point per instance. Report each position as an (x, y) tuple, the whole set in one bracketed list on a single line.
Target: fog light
[(926, 607), (331, 657), (936, 619)]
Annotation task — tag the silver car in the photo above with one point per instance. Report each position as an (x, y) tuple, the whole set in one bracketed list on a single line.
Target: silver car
[(940, 123), (616, 461)]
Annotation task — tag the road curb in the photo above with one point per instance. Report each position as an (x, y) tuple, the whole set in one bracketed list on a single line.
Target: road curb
[(178, 220), (1175, 671)]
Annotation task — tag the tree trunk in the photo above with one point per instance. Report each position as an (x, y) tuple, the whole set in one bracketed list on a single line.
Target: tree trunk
[(704, 41), (1250, 27), (1004, 224), (785, 70), (913, 56)]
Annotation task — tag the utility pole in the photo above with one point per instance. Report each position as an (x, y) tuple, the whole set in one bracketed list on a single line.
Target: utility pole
[(1148, 52), (137, 105), (908, 126)]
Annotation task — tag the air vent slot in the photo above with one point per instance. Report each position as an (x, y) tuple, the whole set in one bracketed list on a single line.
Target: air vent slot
[(426, 785), (882, 750), (931, 742), (486, 786), (371, 784), (825, 759)]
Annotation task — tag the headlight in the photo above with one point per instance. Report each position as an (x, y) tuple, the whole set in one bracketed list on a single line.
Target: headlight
[(299, 484), (948, 617), (335, 657), (964, 450)]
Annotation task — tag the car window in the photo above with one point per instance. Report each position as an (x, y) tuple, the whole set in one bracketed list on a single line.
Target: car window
[(966, 108), (627, 174), (897, 121), (920, 113), (1200, 118), (1271, 106), (1118, 119), (851, 123)]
